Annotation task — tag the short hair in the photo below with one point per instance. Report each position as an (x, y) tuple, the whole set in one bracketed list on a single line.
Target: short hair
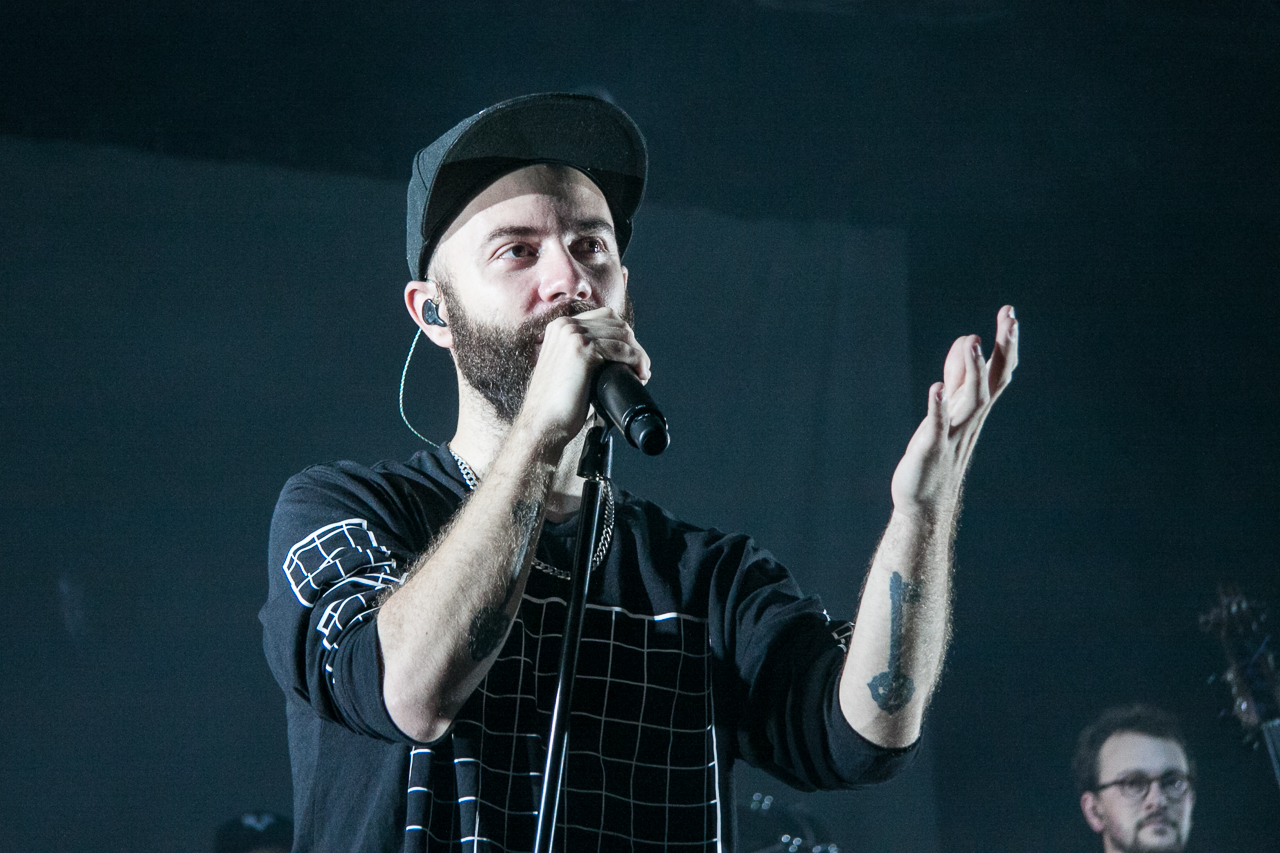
[(1138, 718)]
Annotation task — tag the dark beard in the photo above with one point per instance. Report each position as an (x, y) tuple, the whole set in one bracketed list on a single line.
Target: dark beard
[(1141, 847), (498, 362)]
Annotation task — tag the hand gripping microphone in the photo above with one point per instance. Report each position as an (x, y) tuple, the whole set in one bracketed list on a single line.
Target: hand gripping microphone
[(621, 397)]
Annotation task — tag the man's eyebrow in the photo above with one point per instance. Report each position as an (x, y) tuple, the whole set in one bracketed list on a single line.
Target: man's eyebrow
[(593, 226), (510, 231), (581, 226)]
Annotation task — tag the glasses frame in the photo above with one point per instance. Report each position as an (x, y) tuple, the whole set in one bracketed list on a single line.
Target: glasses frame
[(1170, 777)]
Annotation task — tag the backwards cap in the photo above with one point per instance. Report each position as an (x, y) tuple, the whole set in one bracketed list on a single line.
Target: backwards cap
[(585, 132)]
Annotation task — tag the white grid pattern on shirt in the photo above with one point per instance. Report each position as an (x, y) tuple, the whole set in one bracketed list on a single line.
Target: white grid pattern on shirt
[(641, 755), (343, 554)]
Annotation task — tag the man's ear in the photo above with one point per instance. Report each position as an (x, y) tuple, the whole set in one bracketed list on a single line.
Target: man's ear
[(416, 296), (1092, 814)]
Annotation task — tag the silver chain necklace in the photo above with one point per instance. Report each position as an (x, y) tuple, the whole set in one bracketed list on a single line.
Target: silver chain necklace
[(606, 537)]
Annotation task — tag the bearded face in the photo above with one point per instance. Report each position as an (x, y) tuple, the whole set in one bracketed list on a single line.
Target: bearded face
[(1147, 821), (1159, 832), (498, 361)]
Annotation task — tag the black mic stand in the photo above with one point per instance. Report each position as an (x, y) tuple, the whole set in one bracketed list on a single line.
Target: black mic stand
[(594, 467)]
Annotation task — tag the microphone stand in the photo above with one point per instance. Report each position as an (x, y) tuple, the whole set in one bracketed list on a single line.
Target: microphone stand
[(594, 466)]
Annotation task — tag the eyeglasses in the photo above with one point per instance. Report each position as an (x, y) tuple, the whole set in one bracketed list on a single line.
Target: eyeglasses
[(1175, 784)]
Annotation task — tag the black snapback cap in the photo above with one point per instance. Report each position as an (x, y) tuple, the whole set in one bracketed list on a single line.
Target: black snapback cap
[(582, 131)]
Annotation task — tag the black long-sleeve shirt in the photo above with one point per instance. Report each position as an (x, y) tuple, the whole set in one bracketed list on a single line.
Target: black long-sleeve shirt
[(697, 649)]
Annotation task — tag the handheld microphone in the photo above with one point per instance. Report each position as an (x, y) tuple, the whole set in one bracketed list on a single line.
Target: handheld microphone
[(620, 396)]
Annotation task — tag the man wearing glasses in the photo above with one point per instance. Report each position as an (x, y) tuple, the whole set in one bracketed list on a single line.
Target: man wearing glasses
[(1136, 780)]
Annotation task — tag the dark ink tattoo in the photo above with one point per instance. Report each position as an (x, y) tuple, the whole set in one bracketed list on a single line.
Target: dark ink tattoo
[(487, 630), (893, 688), (525, 514)]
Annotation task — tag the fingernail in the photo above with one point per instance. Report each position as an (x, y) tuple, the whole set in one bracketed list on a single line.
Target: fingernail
[(977, 350), (1012, 316)]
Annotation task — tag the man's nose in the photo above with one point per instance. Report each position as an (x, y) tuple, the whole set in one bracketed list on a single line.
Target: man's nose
[(560, 275)]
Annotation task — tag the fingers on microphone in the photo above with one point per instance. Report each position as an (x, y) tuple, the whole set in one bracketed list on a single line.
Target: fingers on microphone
[(600, 335), (632, 355)]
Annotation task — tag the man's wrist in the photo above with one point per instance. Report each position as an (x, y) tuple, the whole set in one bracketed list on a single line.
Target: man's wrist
[(939, 515), (530, 451)]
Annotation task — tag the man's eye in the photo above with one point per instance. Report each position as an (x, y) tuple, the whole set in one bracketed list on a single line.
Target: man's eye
[(592, 246), (519, 250)]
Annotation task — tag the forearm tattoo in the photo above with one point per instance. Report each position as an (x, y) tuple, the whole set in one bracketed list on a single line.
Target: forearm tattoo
[(490, 623), (487, 630), (892, 689), (524, 514)]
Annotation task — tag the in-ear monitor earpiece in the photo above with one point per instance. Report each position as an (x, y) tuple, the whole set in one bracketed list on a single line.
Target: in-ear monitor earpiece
[(431, 313)]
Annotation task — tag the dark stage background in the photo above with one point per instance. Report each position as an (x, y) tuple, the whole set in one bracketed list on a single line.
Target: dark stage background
[(200, 266)]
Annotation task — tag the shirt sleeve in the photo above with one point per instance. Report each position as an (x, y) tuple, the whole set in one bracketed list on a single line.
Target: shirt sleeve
[(787, 655), (341, 537)]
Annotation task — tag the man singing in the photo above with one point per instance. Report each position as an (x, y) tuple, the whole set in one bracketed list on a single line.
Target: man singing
[(416, 609)]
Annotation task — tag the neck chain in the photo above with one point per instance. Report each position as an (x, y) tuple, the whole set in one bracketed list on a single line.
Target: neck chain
[(606, 537)]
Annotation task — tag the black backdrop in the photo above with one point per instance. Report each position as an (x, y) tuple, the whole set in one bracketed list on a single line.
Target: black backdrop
[(1109, 167)]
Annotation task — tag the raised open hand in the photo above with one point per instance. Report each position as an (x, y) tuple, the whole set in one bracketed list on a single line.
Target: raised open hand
[(928, 478)]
